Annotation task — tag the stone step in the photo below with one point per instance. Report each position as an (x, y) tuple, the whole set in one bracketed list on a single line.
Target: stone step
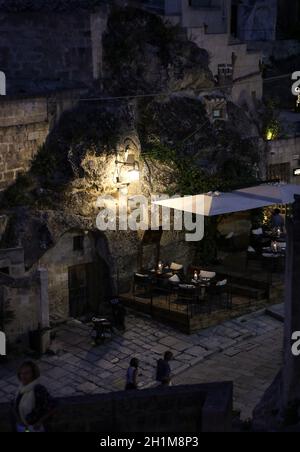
[(249, 292), (276, 312)]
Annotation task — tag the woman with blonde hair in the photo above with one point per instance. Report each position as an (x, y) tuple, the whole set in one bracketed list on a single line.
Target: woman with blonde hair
[(33, 404)]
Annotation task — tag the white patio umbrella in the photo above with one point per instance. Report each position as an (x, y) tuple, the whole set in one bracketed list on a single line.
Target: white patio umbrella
[(278, 192), (213, 204)]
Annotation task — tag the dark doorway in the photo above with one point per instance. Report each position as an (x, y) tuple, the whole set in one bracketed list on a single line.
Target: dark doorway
[(150, 249), (78, 291), (234, 20), (89, 288)]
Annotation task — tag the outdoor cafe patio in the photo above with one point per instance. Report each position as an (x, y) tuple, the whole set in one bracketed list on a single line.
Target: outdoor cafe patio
[(199, 296)]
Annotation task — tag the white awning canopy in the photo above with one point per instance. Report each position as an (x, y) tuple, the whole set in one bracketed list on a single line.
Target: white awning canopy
[(213, 204), (280, 193)]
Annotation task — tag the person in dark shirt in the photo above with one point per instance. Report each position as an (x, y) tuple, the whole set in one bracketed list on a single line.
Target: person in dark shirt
[(277, 220), (132, 375), (163, 373), (33, 404)]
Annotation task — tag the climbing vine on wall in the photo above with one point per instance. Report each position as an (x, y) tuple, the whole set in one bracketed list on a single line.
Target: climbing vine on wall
[(270, 121), (191, 179)]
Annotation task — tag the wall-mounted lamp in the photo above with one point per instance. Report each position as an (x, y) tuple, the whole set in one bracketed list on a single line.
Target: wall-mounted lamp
[(270, 135), (133, 174)]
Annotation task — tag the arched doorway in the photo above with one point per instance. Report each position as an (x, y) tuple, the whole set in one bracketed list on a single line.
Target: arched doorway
[(79, 276), (89, 287)]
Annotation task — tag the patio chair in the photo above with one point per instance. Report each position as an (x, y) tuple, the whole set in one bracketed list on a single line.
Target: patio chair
[(187, 295), (226, 242), (207, 275), (162, 286), (257, 232), (272, 264), (177, 269), (219, 295), (142, 286), (252, 256)]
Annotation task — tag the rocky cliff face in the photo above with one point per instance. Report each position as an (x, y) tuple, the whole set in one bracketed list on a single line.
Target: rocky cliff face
[(143, 55)]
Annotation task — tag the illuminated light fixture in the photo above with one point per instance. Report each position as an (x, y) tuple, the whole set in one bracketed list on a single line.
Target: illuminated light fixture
[(270, 135), (133, 174), (297, 172)]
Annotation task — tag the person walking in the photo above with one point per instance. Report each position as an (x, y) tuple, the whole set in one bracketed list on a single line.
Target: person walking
[(33, 405), (163, 372), (119, 313), (132, 375)]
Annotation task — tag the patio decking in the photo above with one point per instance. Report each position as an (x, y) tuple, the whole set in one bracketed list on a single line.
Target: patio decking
[(178, 317), (250, 292)]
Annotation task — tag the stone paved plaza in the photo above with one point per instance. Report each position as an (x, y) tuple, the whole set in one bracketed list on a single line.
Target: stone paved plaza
[(252, 366), (246, 350)]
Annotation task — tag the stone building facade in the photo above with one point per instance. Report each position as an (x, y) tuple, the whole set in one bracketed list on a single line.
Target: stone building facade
[(84, 267), (62, 238), (209, 23), (63, 47), (79, 279), (257, 20), (25, 293), (24, 126), (284, 160)]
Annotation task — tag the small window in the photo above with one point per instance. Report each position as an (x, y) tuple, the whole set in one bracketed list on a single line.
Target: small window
[(5, 270), (217, 113), (78, 243)]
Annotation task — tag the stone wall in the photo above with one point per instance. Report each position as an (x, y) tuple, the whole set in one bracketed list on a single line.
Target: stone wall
[(57, 261), (257, 20), (279, 50), (215, 17), (20, 291), (117, 257), (13, 260), (23, 301), (286, 151), (45, 46), (24, 294), (195, 408), (245, 65), (24, 126)]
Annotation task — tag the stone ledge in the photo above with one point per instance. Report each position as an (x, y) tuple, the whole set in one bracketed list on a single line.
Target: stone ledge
[(195, 408)]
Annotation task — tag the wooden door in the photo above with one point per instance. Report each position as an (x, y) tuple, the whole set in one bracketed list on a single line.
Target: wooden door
[(78, 291)]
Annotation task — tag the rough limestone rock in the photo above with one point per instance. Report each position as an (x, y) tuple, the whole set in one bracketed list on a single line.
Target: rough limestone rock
[(38, 231), (143, 55)]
